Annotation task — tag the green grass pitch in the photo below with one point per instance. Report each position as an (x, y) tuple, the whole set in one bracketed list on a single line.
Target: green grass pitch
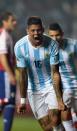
[(23, 124)]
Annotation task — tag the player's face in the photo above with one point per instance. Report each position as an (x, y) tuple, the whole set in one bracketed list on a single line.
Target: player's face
[(11, 23), (55, 35), (35, 33)]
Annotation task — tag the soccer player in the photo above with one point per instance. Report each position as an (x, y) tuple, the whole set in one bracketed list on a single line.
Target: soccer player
[(7, 75), (37, 62), (68, 71)]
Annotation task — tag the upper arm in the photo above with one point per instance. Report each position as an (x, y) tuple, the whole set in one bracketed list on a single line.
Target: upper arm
[(55, 73), (55, 68), (23, 76), (3, 58)]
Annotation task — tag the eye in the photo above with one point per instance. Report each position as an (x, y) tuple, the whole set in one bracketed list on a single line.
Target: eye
[(32, 30)]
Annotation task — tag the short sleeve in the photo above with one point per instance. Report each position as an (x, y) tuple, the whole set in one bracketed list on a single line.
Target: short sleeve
[(3, 43), (20, 60)]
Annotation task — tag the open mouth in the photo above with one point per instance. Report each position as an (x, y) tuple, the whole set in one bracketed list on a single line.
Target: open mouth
[(37, 38)]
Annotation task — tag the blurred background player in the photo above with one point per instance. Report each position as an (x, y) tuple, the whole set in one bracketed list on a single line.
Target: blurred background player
[(37, 62), (7, 74), (68, 71)]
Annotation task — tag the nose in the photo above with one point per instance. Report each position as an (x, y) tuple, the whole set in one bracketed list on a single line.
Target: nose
[(35, 32)]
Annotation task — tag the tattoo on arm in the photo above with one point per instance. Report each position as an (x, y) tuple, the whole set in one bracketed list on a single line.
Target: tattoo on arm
[(56, 81)]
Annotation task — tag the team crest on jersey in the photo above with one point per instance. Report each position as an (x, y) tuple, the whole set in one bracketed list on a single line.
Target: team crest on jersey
[(56, 58), (46, 54)]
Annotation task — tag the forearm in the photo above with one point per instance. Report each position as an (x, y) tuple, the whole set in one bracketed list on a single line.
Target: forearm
[(23, 82), (57, 82), (57, 86)]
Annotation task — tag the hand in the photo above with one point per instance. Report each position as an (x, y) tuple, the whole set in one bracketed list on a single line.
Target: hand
[(21, 109)]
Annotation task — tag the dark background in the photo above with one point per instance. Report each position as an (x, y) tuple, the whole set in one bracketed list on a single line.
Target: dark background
[(62, 11)]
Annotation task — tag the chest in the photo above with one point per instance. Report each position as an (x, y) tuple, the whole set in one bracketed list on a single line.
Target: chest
[(37, 57), (67, 54)]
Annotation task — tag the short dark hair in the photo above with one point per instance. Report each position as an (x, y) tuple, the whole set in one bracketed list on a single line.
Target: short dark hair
[(4, 16), (55, 26), (34, 20)]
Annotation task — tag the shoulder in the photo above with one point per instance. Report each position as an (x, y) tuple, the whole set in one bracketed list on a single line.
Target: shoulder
[(21, 42), (49, 41)]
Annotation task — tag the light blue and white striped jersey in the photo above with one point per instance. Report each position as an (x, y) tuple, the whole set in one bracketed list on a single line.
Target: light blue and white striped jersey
[(68, 63), (38, 61)]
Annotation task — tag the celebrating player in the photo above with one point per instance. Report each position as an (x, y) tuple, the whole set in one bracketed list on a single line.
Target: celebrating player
[(37, 62), (68, 71)]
